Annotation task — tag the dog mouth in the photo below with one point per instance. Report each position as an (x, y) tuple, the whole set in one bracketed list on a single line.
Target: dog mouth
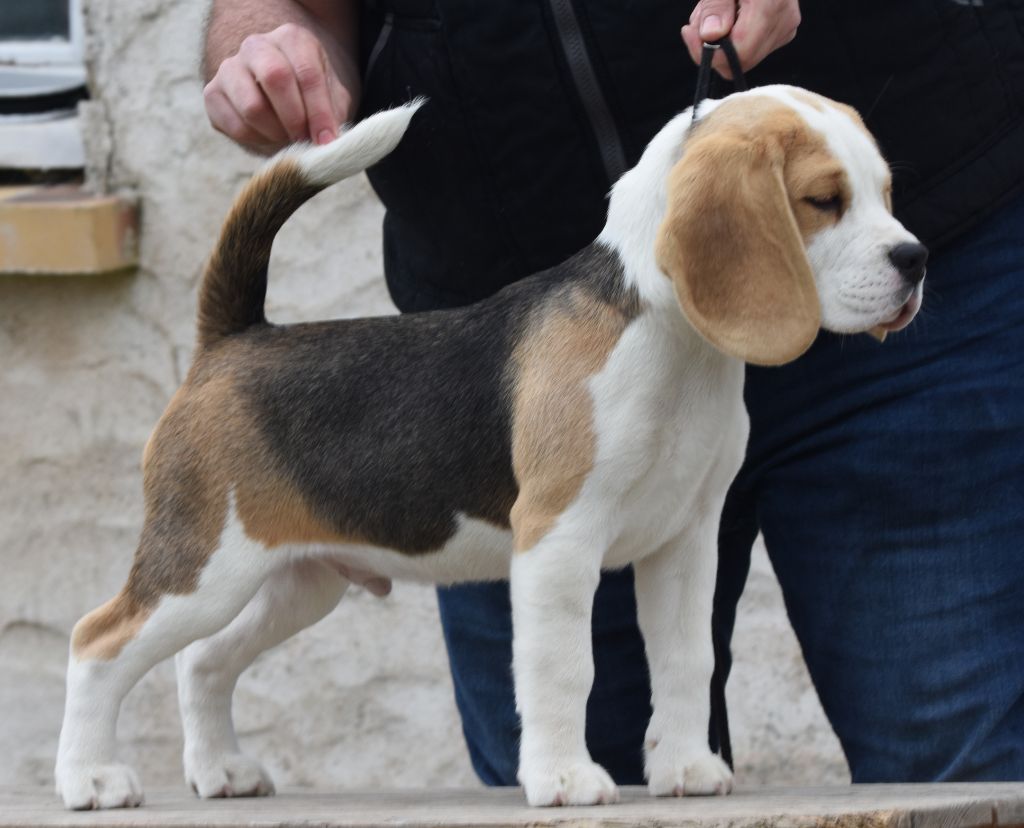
[(905, 315)]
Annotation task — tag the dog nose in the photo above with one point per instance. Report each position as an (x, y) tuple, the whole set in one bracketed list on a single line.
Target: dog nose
[(909, 259)]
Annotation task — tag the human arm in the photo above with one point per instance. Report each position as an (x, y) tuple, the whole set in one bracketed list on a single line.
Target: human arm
[(279, 71), (757, 28)]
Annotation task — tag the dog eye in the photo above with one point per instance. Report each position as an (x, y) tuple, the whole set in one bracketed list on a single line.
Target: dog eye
[(828, 204)]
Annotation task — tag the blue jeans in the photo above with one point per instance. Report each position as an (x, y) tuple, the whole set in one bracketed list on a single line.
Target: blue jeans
[(888, 481)]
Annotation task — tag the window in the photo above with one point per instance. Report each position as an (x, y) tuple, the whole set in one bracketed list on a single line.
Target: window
[(40, 32), (49, 224), (42, 79)]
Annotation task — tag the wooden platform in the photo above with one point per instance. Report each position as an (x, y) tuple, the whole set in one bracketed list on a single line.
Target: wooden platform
[(859, 806)]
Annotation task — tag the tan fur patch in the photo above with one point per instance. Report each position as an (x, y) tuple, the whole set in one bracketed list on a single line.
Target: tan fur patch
[(274, 513), (850, 113), (813, 172), (810, 168), (815, 102), (820, 103), (208, 445), (185, 511), (553, 440), (103, 633)]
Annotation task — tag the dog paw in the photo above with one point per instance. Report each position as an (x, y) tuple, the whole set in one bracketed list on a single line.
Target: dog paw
[(705, 775), (576, 783), (228, 775), (85, 787)]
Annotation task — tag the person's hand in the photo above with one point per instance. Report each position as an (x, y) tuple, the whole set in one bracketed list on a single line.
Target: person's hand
[(757, 28), (279, 88)]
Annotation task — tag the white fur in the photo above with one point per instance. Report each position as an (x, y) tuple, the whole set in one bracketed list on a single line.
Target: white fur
[(291, 599), (478, 551), (670, 432), (355, 148)]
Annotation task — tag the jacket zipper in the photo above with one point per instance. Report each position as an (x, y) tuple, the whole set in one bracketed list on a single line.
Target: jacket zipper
[(379, 44), (609, 142)]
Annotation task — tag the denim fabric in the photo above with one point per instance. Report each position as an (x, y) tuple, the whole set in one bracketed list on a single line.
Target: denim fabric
[(888, 480)]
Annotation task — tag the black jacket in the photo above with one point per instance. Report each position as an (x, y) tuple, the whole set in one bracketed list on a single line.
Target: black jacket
[(536, 107)]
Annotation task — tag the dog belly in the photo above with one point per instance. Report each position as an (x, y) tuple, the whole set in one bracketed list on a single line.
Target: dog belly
[(478, 551)]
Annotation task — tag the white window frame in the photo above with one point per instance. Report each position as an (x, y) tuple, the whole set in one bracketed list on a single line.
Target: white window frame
[(56, 52)]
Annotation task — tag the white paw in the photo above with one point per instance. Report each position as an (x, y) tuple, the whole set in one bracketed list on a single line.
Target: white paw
[(88, 787), (575, 783), (705, 775), (230, 774)]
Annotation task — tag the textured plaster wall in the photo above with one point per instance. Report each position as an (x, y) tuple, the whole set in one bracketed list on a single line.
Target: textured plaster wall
[(86, 367)]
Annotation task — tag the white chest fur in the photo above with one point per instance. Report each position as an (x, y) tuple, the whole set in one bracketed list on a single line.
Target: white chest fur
[(671, 430)]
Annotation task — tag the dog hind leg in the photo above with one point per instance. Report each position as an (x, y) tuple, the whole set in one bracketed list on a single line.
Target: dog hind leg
[(115, 645), (291, 599)]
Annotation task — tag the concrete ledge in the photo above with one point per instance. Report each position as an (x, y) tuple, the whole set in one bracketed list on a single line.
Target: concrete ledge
[(858, 806), (63, 230)]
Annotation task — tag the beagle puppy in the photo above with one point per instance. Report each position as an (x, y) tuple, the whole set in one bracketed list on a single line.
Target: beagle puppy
[(589, 417)]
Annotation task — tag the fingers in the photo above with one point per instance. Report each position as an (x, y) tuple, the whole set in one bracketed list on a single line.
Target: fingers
[(709, 20), (313, 75), (713, 19), (279, 88), (757, 28), (762, 27), (693, 43), (226, 119), (279, 108)]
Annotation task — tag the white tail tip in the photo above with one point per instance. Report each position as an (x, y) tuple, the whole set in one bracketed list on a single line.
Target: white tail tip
[(357, 147)]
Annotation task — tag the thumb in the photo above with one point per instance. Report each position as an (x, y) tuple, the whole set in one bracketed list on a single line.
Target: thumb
[(715, 18)]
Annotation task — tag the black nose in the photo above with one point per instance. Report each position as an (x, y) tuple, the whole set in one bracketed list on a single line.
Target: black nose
[(909, 259)]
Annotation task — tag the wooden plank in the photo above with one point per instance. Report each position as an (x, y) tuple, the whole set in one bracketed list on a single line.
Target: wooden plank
[(857, 806)]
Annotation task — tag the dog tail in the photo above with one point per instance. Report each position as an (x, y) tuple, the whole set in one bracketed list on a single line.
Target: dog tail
[(234, 285)]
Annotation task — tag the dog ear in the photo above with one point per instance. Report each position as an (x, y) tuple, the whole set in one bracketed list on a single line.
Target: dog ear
[(730, 243)]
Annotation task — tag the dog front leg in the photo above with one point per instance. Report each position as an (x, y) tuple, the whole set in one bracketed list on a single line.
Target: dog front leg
[(552, 588), (675, 587)]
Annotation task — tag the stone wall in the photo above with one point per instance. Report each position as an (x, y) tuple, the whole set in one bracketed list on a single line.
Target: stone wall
[(86, 367)]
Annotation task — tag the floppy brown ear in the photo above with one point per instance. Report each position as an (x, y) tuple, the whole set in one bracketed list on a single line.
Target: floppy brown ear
[(731, 245)]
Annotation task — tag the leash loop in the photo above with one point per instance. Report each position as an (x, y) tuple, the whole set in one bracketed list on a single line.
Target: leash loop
[(704, 74)]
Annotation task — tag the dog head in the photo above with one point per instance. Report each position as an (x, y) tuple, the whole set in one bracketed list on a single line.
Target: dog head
[(779, 222)]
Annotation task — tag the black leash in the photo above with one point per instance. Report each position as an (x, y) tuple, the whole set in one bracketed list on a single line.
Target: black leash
[(704, 75), (719, 725)]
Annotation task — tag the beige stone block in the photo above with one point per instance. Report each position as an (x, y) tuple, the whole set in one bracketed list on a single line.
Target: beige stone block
[(64, 230)]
